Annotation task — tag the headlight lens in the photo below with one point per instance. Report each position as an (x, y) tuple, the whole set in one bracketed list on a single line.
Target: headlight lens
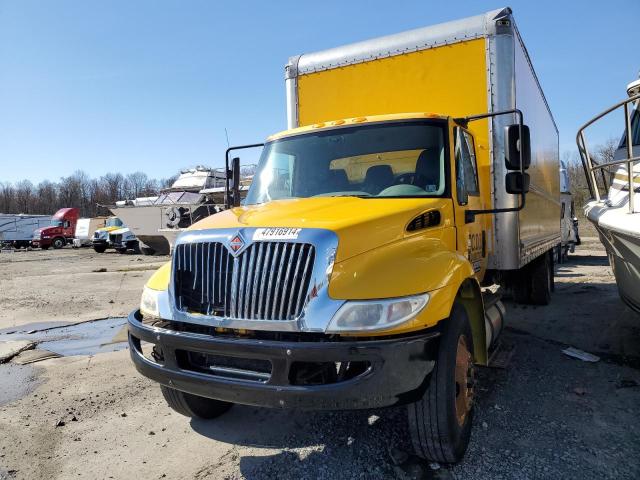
[(149, 303), (369, 315)]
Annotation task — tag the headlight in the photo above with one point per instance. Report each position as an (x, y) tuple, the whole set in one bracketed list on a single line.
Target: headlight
[(369, 315), (149, 303)]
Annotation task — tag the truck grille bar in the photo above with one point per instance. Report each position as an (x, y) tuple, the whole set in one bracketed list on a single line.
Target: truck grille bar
[(268, 281)]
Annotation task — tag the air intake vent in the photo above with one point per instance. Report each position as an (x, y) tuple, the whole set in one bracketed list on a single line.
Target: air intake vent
[(424, 220)]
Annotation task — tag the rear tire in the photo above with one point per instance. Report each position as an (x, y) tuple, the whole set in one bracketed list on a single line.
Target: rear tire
[(121, 250), (58, 243), (99, 248), (147, 250), (194, 406), (541, 280), (534, 283), (440, 422)]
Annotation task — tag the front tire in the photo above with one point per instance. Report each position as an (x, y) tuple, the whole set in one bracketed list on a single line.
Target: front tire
[(440, 422), (194, 406), (58, 243), (99, 248)]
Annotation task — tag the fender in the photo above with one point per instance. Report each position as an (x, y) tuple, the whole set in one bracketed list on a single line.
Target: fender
[(160, 278)]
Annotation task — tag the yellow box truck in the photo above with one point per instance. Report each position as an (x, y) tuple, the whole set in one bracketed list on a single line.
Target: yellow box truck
[(352, 275)]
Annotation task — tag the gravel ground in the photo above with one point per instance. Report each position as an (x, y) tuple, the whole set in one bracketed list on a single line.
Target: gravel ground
[(545, 416)]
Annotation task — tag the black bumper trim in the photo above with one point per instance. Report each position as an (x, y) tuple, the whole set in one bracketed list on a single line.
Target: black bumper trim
[(397, 373)]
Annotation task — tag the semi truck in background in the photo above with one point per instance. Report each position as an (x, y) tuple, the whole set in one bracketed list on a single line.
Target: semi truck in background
[(418, 169), (16, 230), (60, 231)]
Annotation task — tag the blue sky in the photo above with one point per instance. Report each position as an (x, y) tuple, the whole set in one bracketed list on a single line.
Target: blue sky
[(148, 85)]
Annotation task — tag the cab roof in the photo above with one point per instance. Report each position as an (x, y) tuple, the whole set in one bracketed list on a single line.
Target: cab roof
[(343, 122)]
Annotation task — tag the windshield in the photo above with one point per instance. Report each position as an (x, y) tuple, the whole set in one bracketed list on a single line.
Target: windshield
[(56, 223), (399, 159), (113, 222)]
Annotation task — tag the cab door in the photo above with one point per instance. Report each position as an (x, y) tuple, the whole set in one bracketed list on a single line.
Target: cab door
[(471, 235)]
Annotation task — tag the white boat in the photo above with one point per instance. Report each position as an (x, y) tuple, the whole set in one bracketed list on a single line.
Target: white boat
[(615, 208), (156, 221)]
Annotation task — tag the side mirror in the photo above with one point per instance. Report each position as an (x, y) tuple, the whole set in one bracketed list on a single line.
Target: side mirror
[(235, 182), (514, 146), (517, 182)]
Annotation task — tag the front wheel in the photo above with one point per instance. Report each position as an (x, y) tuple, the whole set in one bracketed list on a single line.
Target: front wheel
[(99, 248), (440, 422), (192, 406), (58, 243)]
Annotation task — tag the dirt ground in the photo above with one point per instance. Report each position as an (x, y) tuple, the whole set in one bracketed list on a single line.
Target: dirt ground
[(69, 285), (92, 416)]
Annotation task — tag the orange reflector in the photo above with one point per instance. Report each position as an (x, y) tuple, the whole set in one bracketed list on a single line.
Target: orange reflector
[(338, 122), (319, 125), (359, 119)]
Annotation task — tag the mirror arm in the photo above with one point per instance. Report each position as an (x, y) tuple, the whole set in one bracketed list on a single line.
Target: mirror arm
[(228, 172), (470, 215)]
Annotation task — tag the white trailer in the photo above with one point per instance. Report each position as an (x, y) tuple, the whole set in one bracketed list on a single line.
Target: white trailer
[(17, 229), (84, 230)]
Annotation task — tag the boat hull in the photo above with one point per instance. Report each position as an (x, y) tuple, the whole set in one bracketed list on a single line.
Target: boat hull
[(620, 237), (145, 222)]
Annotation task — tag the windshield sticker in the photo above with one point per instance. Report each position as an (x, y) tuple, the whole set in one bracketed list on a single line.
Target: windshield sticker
[(276, 234)]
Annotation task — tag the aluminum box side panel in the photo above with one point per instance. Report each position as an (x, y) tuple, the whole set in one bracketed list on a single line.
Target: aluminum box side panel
[(520, 237), (539, 222), (504, 251)]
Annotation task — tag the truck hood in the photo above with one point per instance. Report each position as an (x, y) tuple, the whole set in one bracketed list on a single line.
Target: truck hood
[(47, 230), (107, 229), (361, 224)]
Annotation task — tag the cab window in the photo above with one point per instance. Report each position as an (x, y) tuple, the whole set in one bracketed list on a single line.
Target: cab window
[(466, 167)]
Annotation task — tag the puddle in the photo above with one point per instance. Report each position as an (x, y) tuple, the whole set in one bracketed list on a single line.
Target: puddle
[(87, 338), (31, 326), (16, 381)]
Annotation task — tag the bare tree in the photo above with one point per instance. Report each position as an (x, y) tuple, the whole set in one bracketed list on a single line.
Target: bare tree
[(7, 197), (113, 185), (24, 194), (135, 184), (46, 197)]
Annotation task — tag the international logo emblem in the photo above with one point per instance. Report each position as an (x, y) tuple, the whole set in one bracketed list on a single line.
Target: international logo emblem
[(236, 243)]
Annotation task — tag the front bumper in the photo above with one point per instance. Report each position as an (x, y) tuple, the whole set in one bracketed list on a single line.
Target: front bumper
[(100, 242), (396, 368), (129, 244)]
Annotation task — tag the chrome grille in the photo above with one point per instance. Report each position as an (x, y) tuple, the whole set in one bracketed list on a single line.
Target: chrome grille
[(267, 281)]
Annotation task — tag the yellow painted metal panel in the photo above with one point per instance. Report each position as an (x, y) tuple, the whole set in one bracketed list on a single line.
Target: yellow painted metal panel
[(160, 278), (361, 224), (451, 80)]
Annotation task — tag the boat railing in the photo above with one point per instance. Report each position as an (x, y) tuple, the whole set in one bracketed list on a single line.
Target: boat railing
[(591, 166)]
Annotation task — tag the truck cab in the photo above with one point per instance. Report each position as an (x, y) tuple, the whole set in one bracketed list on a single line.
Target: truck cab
[(350, 276), (60, 232), (100, 239)]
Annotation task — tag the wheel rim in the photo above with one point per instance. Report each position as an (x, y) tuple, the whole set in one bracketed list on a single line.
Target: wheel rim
[(464, 380)]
